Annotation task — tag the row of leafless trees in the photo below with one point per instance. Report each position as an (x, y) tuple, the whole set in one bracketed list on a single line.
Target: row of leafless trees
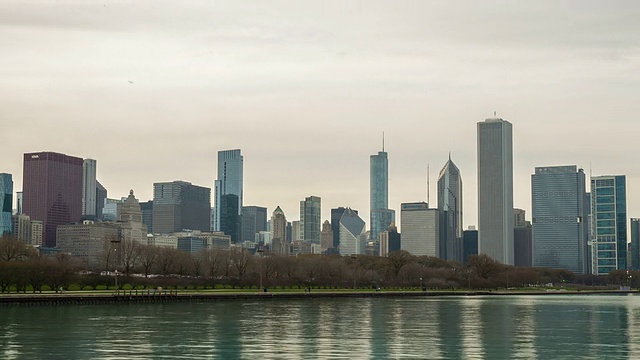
[(21, 269)]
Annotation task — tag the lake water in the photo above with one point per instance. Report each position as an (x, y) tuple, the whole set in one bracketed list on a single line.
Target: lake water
[(509, 327)]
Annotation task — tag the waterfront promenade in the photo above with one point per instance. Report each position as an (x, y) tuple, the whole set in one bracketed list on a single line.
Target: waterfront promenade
[(151, 296)]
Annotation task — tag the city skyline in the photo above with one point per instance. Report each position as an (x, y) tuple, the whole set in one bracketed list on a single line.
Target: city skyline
[(258, 83)]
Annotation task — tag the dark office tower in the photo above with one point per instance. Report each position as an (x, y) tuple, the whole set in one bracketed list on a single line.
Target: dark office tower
[(450, 211), (6, 206), (522, 240), (310, 219), (469, 244), (559, 206), (147, 214), (609, 224), (635, 244), (495, 189), (380, 216), (52, 191), (180, 205), (336, 215), (229, 182), (230, 221), (254, 220), (101, 196)]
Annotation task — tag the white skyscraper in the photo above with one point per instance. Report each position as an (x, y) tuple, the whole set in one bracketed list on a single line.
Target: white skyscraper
[(420, 229), (89, 187), (495, 190)]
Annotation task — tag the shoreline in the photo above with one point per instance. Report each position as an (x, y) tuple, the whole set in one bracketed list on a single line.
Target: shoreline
[(133, 297)]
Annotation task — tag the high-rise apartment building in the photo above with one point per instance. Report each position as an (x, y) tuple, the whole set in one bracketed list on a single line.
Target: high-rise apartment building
[(495, 189), (180, 205), (52, 191), (310, 219), (420, 229), (254, 220), (560, 210), (380, 215), (229, 182), (89, 188), (635, 244), (6, 203), (609, 224), (450, 212), (352, 233), (279, 243)]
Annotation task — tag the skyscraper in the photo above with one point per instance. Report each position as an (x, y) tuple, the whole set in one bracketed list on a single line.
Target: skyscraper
[(52, 191), (6, 203), (279, 243), (495, 189), (352, 231), (254, 220), (609, 224), (560, 210), (89, 188), (450, 211), (635, 244), (522, 239), (229, 182), (180, 205), (101, 197), (310, 219), (380, 216), (326, 238), (336, 214), (420, 229)]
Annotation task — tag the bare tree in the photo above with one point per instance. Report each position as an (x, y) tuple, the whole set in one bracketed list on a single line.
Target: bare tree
[(12, 249), (166, 260), (148, 258), (240, 259), (130, 253), (398, 259)]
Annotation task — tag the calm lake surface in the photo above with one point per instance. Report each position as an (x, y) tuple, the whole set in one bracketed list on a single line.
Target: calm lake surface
[(524, 327)]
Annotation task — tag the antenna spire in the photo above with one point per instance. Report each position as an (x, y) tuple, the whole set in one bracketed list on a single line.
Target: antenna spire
[(428, 184), (383, 141), (495, 115)]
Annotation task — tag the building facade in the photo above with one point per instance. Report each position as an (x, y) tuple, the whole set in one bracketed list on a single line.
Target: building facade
[(560, 210), (180, 205), (6, 204), (609, 224), (420, 229), (229, 182), (353, 239), (101, 197), (52, 191), (469, 244), (310, 219), (495, 189), (450, 211), (254, 220), (89, 188), (326, 238), (90, 242), (279, 243), (380, 214), (635, 244)]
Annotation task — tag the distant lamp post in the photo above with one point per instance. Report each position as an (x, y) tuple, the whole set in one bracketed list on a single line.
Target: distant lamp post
[(260, 250), (116, 272)]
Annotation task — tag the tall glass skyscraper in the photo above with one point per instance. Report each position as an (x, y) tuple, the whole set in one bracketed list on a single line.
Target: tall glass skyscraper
[(560, 211), (380, 216), (52, 191), (310, 219), (495, 190), (609, 224), (635, 244), (450, 212), (6, 203), (229, 182)]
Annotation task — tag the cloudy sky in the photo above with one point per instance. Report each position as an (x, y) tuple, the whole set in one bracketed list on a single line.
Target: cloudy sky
[(153, 89)]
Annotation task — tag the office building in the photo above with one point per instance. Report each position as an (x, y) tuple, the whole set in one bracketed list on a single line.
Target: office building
[(52, 191), (191, 244), (37, 233), (254, 220), (326, 238), (609, 224), (19, 203), (495, 189), (180, 205), (89, 241), (22, 228), (469, 243), (6, 203), (130, 220), (420, 229), (279, 243), (101, 197), (635, 244), (380, 214), (389, 240), (336, 214), (147, 214), (353, 239), (450, 211), (310, 219), (560, 210), (89, 188), (229, 182)]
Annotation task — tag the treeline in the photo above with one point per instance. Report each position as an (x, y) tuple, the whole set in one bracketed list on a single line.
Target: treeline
[(142, 266)]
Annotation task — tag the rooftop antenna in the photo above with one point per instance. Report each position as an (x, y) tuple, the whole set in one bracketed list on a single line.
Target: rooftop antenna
[(383, 141), (427, 184), (495, 115)]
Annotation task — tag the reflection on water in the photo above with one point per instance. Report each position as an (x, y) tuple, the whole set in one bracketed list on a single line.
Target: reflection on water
[(518, 327)]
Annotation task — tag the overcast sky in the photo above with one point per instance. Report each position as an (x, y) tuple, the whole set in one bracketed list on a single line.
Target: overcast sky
[(153, 89)]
